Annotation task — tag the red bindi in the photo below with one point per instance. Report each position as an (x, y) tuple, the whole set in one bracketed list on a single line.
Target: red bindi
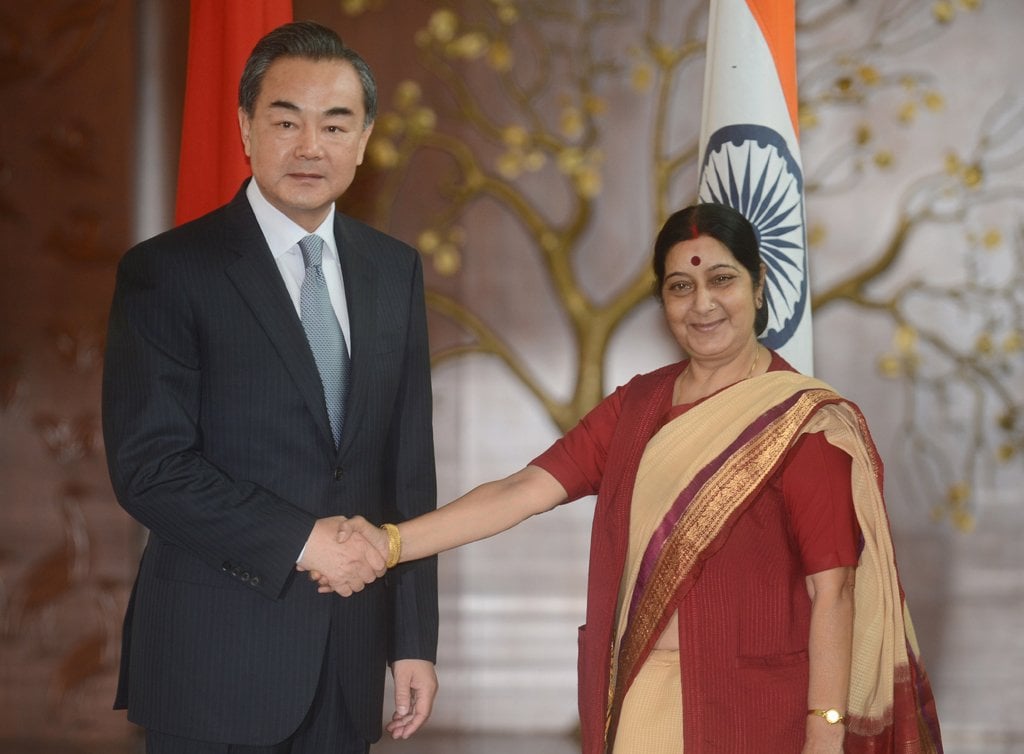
[(695, 260)]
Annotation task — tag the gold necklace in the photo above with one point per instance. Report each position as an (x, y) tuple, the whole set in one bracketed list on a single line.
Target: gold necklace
[(753, 365), (757, 355)]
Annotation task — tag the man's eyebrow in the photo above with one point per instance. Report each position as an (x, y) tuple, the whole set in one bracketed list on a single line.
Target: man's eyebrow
[(341, 111)]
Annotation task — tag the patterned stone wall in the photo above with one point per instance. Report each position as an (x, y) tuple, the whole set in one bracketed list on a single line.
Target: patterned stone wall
[(67, 552)]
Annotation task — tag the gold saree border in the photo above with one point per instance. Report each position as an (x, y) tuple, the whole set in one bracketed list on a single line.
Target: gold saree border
[(890, 697), (730, 488)]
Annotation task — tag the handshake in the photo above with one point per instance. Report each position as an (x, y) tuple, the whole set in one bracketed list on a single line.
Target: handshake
[(343, 555)]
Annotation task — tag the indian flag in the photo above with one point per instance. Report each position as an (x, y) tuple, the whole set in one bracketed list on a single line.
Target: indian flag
[(750, 157), (221, 35)]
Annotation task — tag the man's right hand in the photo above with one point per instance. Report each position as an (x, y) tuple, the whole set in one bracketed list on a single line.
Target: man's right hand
[(340, 559), (357, 526)]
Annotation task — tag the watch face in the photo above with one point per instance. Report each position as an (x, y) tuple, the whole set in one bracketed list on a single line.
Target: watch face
[(832, 716)]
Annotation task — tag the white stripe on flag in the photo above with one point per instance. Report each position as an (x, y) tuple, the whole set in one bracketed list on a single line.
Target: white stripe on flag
[(750, 160)]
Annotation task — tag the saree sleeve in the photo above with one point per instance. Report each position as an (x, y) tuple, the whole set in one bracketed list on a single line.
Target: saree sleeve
[(817, 493), (578, 459)]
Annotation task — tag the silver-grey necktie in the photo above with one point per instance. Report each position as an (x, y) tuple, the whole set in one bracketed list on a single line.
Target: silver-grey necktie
[(324, 334)]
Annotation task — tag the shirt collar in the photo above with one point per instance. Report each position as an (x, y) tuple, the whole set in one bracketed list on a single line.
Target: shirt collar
[(282, 233)]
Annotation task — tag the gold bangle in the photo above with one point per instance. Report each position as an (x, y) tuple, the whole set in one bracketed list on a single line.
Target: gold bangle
[(394, 544)]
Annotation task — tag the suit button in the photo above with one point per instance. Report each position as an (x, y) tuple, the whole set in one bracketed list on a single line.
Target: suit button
[(338, 474), (254, 581), (245, 576), (225, 566), (236, 571)]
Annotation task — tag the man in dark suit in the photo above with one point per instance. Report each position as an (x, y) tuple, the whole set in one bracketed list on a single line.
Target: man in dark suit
[(241, 440)]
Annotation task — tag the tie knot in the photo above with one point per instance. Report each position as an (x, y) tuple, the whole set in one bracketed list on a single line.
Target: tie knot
[(312, 247)]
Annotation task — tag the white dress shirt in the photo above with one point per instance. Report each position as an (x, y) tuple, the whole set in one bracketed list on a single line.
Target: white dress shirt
[(283, 236)]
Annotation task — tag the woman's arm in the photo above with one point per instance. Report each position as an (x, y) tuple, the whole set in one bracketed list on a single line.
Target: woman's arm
[(830, 650), (482, 512)]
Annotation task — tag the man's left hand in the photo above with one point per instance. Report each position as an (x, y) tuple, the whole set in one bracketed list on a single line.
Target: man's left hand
[(415, 690)]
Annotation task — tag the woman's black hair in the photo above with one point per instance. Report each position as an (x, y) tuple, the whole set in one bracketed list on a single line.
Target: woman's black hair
[(725, 225)]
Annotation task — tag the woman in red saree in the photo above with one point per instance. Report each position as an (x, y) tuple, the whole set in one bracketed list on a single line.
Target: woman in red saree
[(743, 594)]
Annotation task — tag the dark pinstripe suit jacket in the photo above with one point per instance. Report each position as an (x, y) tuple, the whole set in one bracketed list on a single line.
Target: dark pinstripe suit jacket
[(218, 441)]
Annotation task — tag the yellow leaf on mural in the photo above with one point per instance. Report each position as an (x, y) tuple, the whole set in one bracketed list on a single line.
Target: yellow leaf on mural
[(442, 25), (905, 339), (382, 152), (934, 101), (868, 74), (992, 238), (588, 182), (642, 77), (890, 366), (808, 116), (515, 136), (423, 120), (958, 493), (816, 234), (447, 260), (943, 11), (510, 165), (570, 160), (389, 124), (407, 94), (468, 46), (534, 160), (964, 521), (499, 56), (353, 7), (506, 10), (595, 105), (428, 241), (571, 122), (973, 176)]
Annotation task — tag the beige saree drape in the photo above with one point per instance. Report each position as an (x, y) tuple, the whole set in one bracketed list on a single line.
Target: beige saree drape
[(696, 472)]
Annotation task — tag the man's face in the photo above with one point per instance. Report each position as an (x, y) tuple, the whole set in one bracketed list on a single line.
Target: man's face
[(306, 135)]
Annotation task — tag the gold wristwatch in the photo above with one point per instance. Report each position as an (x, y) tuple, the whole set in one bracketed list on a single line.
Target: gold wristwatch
[(832, 716)]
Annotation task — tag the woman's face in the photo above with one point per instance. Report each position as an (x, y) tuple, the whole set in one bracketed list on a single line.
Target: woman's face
[(709, 300)]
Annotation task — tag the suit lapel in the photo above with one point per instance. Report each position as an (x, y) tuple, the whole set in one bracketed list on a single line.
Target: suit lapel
[(361, 294), (254, 272)]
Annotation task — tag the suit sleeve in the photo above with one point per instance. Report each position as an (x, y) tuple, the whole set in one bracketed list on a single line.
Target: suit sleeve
[(413, 585), (152, 386)]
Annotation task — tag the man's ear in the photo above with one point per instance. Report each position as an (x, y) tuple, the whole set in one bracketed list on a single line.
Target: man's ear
[(244, 126)]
